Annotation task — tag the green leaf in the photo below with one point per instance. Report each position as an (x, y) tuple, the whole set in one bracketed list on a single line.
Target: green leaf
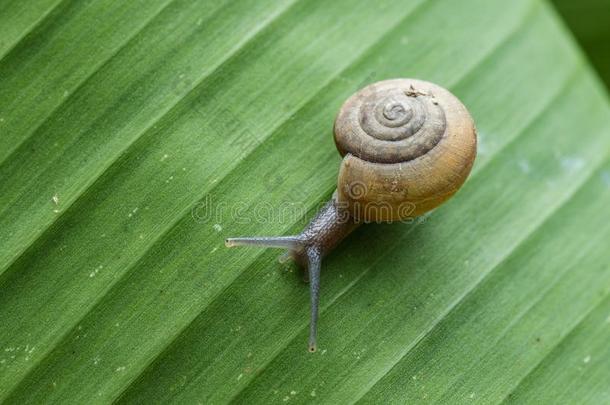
[(136, 136), (588, 19)]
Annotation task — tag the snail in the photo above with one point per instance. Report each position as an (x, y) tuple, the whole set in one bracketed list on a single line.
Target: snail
[(407, 145)]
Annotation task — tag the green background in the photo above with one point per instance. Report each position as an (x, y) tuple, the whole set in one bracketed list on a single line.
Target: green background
[(589, 21)]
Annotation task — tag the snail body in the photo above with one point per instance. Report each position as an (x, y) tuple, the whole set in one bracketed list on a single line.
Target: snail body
[(407, 146)]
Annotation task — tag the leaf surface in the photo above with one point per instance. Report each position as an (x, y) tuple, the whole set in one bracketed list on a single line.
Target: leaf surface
[(135, 137)]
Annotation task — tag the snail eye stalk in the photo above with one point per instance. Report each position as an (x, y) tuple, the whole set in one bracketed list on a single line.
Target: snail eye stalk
[(281, 242), (314, 264), (313, 257)]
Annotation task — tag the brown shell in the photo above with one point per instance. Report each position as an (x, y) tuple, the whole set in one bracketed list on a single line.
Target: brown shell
[(408, 146)]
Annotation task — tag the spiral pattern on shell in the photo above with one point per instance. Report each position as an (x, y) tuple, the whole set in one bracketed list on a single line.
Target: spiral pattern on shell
[(393, 124), (407, 143)]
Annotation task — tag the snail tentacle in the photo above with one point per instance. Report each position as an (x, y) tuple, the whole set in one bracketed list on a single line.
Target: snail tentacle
[(327, 229), (314, 265), (281, 242)]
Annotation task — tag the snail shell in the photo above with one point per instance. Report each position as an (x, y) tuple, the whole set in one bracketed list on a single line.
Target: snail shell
[(408, 146)]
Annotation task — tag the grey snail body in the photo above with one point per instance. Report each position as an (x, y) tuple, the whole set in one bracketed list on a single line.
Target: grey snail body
[(407, 146)]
